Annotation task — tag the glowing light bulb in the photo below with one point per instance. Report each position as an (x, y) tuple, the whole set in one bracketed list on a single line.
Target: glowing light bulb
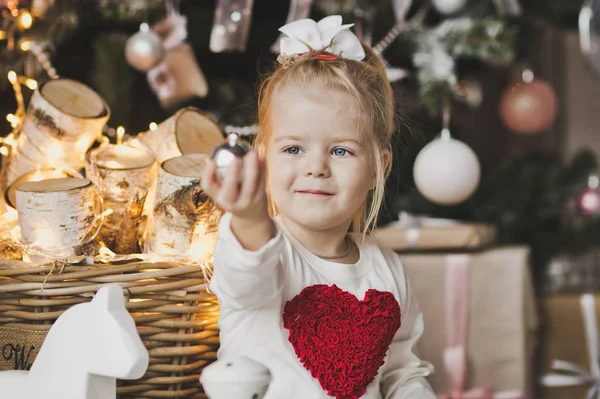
[(31, 83), (12, 77), (14, 122), (10, 139), (25, 19)]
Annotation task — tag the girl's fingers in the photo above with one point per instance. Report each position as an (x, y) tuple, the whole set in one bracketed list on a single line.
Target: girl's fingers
[(209, 181), (251, 175), (261, 186), (230, 187), (230, 194)]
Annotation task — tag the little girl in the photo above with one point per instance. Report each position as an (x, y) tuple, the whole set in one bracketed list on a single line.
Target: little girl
[(302, 287)]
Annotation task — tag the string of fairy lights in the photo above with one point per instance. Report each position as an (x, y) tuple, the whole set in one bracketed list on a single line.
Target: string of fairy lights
[(16, 20)]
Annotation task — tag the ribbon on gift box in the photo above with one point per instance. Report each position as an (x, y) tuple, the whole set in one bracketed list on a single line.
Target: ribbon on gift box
[(455, 354), (412, 223), (569, 374)]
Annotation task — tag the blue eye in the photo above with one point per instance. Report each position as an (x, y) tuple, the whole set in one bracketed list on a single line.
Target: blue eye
[(293, 150), (340, 152)]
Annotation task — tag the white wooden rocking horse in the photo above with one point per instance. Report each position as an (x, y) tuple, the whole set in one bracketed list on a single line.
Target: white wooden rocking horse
[(86, 350)]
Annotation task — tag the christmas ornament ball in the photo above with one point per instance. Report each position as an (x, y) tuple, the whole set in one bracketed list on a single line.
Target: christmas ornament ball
[(589, 199), (449, 6), (144, 49), (227, 152), (529, 108), (589, 202), (446, 171)]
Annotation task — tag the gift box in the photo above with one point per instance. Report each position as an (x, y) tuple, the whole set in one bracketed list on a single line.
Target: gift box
[(569, 346), (418, 233), (480, 321)]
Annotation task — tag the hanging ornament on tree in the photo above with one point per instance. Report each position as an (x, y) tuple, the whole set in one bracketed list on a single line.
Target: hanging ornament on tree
[(529, 106), (449, 6), (446, 170), (178, 77), (589, 199), (144, 49), (231, 25)]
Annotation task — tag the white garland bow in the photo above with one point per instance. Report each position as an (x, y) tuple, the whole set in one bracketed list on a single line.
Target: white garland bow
[(569, 374), (306, 35)]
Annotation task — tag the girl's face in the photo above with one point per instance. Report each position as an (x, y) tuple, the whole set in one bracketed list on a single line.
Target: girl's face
[(318, 163)]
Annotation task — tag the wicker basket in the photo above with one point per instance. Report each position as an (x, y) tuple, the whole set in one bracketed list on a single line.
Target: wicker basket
[(175, 315)]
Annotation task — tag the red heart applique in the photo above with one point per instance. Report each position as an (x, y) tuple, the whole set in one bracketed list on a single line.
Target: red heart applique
[(342, 341)]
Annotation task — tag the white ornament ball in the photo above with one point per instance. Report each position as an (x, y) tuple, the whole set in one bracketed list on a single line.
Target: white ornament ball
[(446, 171), (449, 6), (144, 49)]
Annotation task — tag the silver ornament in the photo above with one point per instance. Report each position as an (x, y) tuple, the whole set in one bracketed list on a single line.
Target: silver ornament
[(227, 152), (144, 49)]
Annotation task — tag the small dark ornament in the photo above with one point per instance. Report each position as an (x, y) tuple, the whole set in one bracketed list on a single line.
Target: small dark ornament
[(227, 152)]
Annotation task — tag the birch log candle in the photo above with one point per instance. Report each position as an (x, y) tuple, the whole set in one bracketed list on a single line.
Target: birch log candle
[(118, 171), (184, 220), (56, 215), (36, 175), (63, 119), (189, 131)]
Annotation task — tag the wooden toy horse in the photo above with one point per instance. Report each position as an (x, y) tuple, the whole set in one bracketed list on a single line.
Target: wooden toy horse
[(86, 350)]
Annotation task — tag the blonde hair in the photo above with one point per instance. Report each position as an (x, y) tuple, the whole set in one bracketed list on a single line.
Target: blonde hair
[(364, 80)]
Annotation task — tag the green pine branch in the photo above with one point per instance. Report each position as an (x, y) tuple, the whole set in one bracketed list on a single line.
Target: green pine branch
[(438, 50)]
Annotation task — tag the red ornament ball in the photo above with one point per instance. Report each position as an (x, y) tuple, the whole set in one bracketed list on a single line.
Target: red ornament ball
[(529, 108)]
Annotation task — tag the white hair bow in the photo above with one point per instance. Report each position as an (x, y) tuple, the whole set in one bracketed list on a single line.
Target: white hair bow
[(306, 35)]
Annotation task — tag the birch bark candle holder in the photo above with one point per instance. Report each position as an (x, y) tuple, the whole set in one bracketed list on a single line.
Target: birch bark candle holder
[(126, 178), (36, 175), (56, 215), (63, 119), (184, 220), (189, 131)]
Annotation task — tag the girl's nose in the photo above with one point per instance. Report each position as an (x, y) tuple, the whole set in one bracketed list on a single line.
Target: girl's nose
[(317, 165)]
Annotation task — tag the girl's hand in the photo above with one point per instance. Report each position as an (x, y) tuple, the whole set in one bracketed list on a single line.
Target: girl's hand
[(243, 191)]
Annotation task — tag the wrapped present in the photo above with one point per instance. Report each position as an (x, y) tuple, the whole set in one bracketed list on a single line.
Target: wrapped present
[(421, 233), (480, 321), (570, 347)]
